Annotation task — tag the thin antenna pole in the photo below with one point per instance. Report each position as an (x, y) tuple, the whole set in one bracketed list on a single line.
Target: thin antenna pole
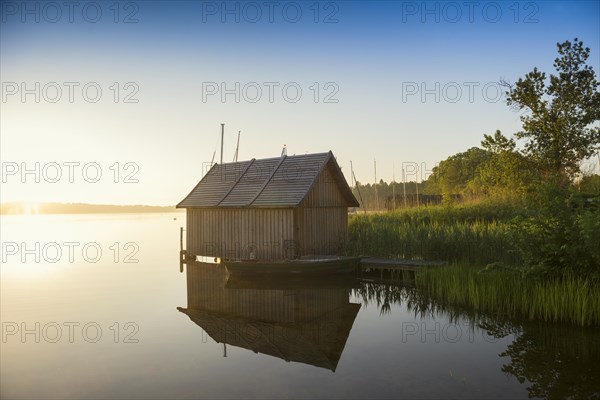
[(362, 202), (417, 186), (352, 174), (237, 147), (376, 194), (404, 185), (394, 183), (353, 178), (222, 138)]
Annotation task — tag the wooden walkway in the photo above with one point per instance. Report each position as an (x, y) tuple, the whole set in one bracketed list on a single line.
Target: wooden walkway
[(392, 270), (397, 264)]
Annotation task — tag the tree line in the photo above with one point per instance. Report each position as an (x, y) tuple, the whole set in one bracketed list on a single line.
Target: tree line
[(537, 171), (560, 128)]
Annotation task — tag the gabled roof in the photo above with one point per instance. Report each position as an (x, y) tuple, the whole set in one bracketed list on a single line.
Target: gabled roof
[(319, 342), (270, 182)]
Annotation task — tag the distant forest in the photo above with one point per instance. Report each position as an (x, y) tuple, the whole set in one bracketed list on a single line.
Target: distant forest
[(380, 196), (471, 175)]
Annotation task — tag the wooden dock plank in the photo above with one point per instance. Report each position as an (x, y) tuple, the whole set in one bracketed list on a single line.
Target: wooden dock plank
[(399, 264)]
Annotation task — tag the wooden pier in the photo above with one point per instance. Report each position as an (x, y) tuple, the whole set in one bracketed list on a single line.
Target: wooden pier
[(397, 264), (393, 269)]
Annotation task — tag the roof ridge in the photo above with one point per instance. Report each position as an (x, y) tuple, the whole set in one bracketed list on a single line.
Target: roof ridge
[(277, 157)]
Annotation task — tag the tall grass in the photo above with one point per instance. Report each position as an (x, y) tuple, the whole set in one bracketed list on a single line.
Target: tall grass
[(511, 294), (474, 233)]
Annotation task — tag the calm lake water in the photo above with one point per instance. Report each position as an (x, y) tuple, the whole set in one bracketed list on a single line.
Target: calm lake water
[(104, 312)]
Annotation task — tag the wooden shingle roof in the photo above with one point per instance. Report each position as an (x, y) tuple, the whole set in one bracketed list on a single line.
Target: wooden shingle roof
[(319, 342), (270, 182)]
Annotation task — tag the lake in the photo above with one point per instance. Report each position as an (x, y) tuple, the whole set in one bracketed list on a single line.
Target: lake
[(95, 306)]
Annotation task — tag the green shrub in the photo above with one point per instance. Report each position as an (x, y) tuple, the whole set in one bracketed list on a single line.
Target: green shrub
[(559, 233)]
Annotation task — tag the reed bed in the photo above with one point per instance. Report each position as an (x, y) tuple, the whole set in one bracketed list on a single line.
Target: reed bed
[(512, 294), (472, 233), (470, 237)]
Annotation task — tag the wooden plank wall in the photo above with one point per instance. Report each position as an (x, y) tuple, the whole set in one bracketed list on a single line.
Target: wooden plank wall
[(321, 230), (322, 219), (325, 192), (236, 232), (206, 291)]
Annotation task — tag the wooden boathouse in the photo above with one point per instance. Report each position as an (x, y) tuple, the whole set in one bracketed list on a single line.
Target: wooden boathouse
[(303, 324), (269, 209)]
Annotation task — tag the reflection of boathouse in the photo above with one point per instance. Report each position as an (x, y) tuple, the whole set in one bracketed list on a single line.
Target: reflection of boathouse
[(269, 209), (304, 325)]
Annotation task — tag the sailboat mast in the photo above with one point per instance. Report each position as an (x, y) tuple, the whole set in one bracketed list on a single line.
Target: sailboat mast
[(222, 138), (404, 186), (237, 147), (417, 187), (376, 194), (394, 183)]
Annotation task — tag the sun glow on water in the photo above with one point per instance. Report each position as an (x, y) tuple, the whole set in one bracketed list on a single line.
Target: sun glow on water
[(30, 208)]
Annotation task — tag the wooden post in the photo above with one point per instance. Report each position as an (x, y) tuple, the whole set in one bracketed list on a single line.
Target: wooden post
[(182, 255), (181, 238)]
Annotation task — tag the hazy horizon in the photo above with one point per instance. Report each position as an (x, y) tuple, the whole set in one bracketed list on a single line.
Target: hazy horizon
[(127, 109), (27, 208)]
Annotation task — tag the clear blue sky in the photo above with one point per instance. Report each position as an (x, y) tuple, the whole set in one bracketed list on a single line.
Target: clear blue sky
[(372, 59)]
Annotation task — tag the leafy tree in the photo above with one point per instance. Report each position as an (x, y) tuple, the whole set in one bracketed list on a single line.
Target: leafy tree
[(507, 172), (558, 127), (498, 143), (458, 173), (561, 230), (590, 185)]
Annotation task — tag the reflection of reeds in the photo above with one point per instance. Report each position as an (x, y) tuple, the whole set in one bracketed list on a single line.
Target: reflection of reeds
[(422, 305), (474, 233), (461, 292), (569, 299), (383, 295), (558, 360)]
